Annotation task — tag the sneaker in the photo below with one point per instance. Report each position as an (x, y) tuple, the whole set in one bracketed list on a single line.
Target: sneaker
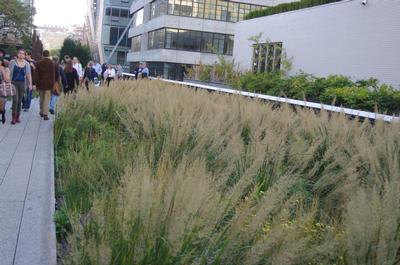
[(26, 110), (41, 114), (45, 117), (51, 111)]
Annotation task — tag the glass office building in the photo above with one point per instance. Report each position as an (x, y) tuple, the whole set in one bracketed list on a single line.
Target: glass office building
[(107, 21), (173, 35)]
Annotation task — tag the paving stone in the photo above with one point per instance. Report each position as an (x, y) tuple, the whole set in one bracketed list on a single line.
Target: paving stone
[(10, 215)]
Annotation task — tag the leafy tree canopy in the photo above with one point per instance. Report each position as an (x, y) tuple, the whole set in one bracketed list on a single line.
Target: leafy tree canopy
[(74, 48), (17, 16)]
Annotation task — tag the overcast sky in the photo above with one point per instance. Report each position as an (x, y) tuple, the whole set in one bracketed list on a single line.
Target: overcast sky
[(60, 12)]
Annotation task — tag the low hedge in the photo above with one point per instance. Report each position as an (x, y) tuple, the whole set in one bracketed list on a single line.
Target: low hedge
[(286, 7), (338, 90)]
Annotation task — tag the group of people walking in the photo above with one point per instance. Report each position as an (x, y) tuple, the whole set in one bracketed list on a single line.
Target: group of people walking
[(50, 77), (24, 75)]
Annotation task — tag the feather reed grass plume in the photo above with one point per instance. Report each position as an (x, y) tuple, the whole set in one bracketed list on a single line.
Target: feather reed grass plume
[(153, 173)]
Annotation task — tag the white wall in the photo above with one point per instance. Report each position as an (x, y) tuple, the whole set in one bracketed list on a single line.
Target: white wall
[(340, 38), (174, 56)]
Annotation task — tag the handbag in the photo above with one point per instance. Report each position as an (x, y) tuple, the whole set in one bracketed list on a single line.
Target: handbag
[(56, 89), (2, 104), (7, 90)]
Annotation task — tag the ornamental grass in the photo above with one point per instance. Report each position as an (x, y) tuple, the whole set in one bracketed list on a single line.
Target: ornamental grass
[(154, 173)]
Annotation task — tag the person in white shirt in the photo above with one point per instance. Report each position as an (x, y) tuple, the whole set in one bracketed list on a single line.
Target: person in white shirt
[(78, 67), (97, 67), (109, 74)]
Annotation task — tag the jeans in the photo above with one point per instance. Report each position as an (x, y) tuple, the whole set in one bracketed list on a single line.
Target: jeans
[(53, 102), (17, 99), (44, 101), (26, 101)]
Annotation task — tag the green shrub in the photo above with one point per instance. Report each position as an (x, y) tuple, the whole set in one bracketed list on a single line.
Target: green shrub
[(63, 224), (205, 75), (286, 7), (365, 95)]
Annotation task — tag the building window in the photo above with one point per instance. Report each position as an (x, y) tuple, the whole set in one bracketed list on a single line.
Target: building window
[(198, 8), (244, 9), (124, 13), (228, 49), (171, 37), (136, 43), (121, 56), (158, 8), (156, 39), (233, 12), (222, 10), (207, 42), (219, 43), (116, 16), (195, 41), (267, 57), (174, 7), (191, 40), (138, 18), (113, 36), (186, 8), (210, 8)]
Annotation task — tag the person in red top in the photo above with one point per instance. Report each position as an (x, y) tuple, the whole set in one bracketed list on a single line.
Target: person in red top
[(45, 76)]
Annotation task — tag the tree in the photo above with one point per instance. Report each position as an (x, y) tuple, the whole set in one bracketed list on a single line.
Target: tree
[(17, 17), (54, 52), (74, 48)]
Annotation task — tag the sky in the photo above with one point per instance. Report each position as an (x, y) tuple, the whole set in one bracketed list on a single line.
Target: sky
[(59, 12)]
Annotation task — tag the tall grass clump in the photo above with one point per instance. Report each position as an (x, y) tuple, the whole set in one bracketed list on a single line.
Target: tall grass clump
[(153, 173)]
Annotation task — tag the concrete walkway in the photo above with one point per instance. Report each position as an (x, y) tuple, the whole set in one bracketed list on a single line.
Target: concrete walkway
[(27, 231)]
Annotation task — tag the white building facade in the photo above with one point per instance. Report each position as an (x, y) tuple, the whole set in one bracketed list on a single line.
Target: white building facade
[(171, 35), (351, 38), (107, 20)]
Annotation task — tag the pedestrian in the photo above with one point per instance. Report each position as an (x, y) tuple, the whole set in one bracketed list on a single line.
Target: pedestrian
[(26, 101), (89, 75), (103, 70), (145, 71), (72, 77), (78, 67), (2, 54), (20, 76), (109, 74), (97, 67), (46, 73), (119, 71), (4, 78), (61, 80)]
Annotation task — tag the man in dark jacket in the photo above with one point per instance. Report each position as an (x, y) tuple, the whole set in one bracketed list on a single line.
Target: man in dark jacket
[(89, 75), (45, 74)]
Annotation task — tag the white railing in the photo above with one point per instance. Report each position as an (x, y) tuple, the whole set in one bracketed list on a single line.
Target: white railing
[(295, 102)]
